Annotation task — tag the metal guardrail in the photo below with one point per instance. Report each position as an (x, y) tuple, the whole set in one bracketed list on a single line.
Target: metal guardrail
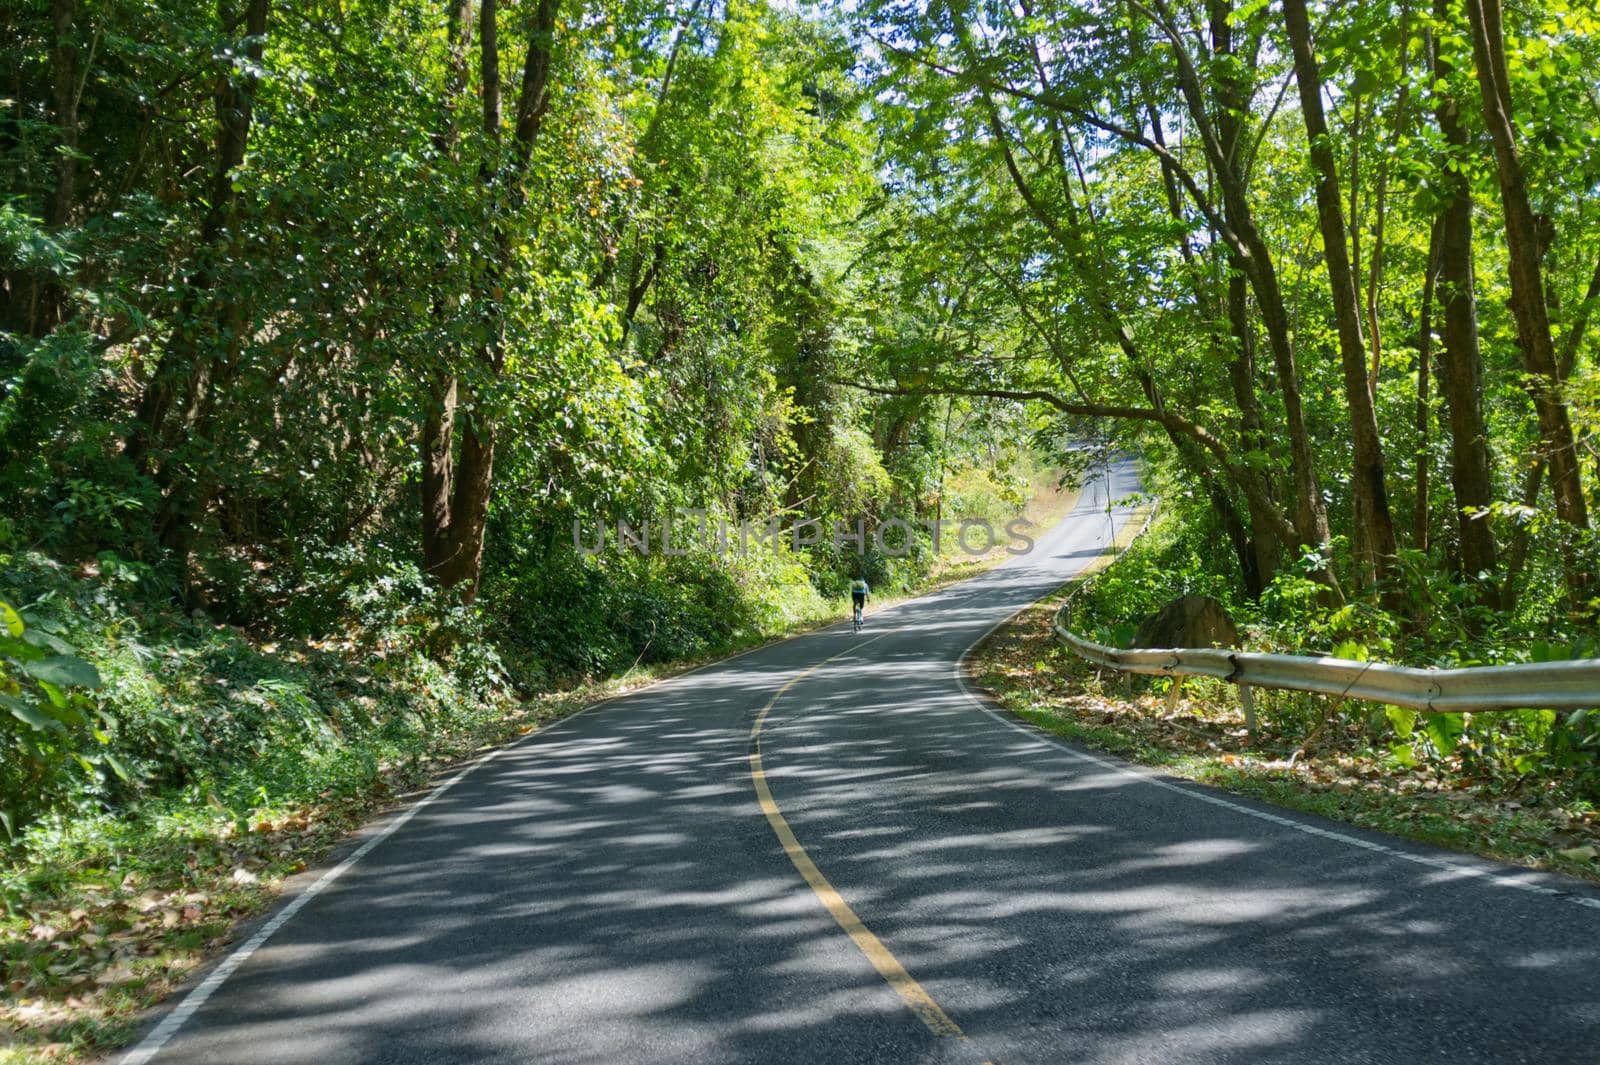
[(1568, 685), (1564, 685)]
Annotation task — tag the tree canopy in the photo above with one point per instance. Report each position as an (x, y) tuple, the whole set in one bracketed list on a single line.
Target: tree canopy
[(304, 297)]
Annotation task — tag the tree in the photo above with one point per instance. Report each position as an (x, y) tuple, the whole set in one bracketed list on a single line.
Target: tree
[(1471, 477), (1526, 247), (1374, 528), (457, 486)]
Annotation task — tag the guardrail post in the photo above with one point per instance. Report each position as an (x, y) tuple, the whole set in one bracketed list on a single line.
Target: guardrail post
[(1247, 700), (1173, 692)]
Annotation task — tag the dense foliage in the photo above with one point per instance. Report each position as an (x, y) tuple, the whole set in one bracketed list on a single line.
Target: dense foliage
[(331, 330), (1331, 271), (319, 313), (326, 320), (1330, 268)]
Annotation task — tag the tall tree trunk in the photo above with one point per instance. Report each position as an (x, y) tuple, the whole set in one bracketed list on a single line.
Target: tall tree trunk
[(1380, 205), (1264, 539), (1419, 516), (1526, 274), (1461, 379), (1250, 255), (1517, 555), (64, 96), (439, 416), (1232, 101), (40, 301), (469, 508), (453, 536), (1374, 527), (1311, 515), (438, 461), (204, 346), (1258, 547)]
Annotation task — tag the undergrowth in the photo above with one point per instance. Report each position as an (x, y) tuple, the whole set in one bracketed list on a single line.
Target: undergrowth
[(1521, 786)]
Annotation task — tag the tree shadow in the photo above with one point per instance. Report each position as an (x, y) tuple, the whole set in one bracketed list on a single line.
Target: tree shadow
[(610, 891)]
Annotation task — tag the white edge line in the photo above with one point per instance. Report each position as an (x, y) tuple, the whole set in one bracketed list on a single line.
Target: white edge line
[(959, 671), (152, 1043), (158, 1037)]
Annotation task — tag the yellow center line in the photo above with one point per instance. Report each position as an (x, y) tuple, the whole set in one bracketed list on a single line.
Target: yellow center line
[(882, 959)]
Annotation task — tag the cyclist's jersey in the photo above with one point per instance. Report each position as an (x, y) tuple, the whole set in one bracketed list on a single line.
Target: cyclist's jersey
[(858, 587)]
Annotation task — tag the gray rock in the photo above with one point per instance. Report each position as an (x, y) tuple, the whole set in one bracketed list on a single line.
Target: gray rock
[(1188, 621)]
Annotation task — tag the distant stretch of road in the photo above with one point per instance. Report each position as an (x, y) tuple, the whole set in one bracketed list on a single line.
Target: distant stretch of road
[(828, 850)]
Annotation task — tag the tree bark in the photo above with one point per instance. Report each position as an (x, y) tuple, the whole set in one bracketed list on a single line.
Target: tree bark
[(489, 68), (1461, 380), (1526, 274), (469, 482), (1517, 554), (1264, 538), (1381, 202), (437, 438), (64, 93), (204, 345), (1420, 524), (40, 299), (1233, 100), (1374, 526), (438, 461)]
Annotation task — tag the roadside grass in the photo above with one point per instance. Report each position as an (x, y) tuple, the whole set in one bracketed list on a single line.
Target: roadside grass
[(105, 914), (1336, 771)]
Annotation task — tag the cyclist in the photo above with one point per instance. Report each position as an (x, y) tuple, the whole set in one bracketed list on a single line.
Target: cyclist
[(858, 597)]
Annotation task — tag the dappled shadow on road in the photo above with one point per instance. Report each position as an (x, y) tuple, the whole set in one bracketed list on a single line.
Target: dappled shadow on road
[(607, 892), (610, 892), (1062, 910)]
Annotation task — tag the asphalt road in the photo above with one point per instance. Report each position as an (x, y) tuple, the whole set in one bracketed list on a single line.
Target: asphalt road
[(612, 891)]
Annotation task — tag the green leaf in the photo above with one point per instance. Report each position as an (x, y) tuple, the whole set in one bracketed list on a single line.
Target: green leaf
[(1402, 718), (12, 619), (30, 715), (19, 648), (1444, 730), (116, 766), (1350, 649), (48, 641), (66, 713), (66, 670)]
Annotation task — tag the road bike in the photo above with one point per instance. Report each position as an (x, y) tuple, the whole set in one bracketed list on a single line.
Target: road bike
[(856, 619)]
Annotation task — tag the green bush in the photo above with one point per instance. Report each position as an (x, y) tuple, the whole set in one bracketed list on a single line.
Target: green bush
[(194, 709)]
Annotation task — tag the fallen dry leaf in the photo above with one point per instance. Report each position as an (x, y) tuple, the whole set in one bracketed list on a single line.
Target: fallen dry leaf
[(117, 974)]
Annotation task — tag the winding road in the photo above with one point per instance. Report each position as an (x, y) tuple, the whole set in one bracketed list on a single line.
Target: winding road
[(829, 850)]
